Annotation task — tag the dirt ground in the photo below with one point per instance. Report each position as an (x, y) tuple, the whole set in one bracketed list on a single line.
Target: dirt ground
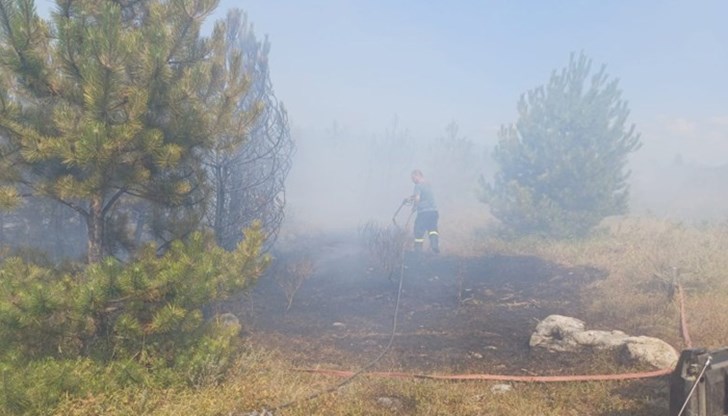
[(456, 315)]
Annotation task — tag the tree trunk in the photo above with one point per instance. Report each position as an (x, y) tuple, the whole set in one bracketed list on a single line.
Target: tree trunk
[(95, 227), (220, 201), (56, 230)]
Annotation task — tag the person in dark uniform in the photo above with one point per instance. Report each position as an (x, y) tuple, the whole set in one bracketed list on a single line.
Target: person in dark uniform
[(423, 201)]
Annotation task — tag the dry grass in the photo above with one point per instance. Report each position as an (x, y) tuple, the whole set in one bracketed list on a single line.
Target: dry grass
[(643, 257), (263, 381)]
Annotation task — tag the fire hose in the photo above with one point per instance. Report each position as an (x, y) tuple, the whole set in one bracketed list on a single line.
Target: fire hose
[(394, 217)]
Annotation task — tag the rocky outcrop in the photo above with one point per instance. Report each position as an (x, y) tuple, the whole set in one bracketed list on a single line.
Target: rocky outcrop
[(567, 334)]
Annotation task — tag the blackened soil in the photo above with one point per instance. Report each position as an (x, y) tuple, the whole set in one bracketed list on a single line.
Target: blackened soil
[(463, 315)]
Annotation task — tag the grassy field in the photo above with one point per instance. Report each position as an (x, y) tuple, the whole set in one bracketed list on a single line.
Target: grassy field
[(644, 258)]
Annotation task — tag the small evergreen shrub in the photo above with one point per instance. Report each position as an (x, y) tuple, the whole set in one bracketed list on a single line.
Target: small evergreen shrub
[(128, 324)]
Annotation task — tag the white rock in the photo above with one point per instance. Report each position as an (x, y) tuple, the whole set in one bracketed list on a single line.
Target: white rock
[(651, 350), (566, 334)]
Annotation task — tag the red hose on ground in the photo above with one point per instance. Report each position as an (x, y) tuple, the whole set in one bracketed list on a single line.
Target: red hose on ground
[(499, 377)]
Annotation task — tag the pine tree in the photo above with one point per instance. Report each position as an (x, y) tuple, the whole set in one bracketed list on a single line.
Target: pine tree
[(111, 100), (563, 163)]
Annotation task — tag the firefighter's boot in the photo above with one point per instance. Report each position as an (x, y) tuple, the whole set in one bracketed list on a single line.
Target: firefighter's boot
[(435, 241)]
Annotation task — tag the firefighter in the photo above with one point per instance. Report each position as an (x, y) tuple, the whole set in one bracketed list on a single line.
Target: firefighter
[(423, 202)]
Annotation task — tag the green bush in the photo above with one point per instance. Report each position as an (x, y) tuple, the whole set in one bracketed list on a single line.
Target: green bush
[(143, 319), (562, 164)]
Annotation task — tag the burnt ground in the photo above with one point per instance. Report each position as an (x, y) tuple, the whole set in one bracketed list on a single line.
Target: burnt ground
[(456, 315)]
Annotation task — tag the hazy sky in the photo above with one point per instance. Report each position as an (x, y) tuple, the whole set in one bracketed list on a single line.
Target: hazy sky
[(361, 63)]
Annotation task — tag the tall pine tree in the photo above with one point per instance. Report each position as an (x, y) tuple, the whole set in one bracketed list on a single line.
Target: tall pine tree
[(562, 165), (108, 100)]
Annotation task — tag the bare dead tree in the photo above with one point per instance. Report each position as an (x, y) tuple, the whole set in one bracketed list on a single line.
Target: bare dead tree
[(291, 275), (249, 180), (385, 245)]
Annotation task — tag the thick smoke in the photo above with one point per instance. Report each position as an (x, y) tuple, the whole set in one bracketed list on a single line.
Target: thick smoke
[(341, 180)]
